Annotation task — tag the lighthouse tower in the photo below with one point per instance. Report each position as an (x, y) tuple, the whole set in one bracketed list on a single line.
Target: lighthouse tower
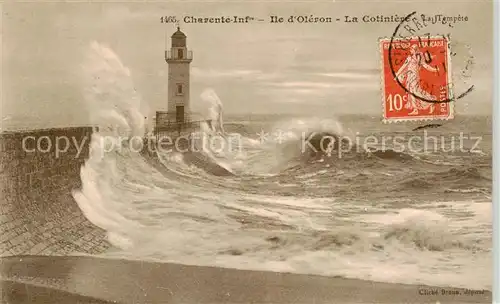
[(178, 59)]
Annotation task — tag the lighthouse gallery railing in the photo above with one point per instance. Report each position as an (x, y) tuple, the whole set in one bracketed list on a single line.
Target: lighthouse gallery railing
[(176, 55)]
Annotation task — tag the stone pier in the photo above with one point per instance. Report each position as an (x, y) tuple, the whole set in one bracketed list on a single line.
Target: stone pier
[(38, 215)]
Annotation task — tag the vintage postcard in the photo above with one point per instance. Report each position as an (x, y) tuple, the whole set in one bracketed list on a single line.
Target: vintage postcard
[(246, 152)]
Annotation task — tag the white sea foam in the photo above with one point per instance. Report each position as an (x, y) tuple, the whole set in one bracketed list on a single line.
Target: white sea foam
[(181, 214)]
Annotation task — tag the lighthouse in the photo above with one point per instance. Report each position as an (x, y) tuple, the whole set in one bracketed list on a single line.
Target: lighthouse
[(178, 59)]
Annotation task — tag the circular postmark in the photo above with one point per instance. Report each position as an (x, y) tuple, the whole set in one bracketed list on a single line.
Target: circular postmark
[(407, 55)]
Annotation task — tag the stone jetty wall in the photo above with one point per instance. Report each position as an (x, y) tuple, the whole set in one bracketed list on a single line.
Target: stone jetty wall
[(38, 215)]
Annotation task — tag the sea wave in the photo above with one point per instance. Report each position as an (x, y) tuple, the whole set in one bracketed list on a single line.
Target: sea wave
[(173, 206)]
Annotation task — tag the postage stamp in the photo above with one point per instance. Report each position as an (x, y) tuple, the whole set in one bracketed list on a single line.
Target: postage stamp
[(416, 79)]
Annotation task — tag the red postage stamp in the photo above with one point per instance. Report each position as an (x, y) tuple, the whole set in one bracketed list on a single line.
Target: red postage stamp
[(416, 79)]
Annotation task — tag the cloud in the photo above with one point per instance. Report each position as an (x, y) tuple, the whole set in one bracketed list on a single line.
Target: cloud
[(231, 74), (289, 100), (347, 75), (197, 72), (303, 84), (322, 85), (305, 91)]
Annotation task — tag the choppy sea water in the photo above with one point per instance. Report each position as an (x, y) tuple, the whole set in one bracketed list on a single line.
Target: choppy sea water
[(398, 206)]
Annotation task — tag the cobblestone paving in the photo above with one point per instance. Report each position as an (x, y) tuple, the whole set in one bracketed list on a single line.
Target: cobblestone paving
[(48, 225), (38, 214)]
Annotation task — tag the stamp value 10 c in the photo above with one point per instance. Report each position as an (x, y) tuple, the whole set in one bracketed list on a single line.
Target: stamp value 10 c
[(416, 79)]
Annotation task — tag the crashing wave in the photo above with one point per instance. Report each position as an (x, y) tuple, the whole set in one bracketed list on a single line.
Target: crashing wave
[(213, 119)]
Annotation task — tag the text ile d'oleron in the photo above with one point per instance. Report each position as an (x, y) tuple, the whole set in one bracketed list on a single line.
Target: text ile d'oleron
[(433, 19)]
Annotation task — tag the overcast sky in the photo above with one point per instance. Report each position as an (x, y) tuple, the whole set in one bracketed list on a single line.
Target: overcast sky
[(254, 68)]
